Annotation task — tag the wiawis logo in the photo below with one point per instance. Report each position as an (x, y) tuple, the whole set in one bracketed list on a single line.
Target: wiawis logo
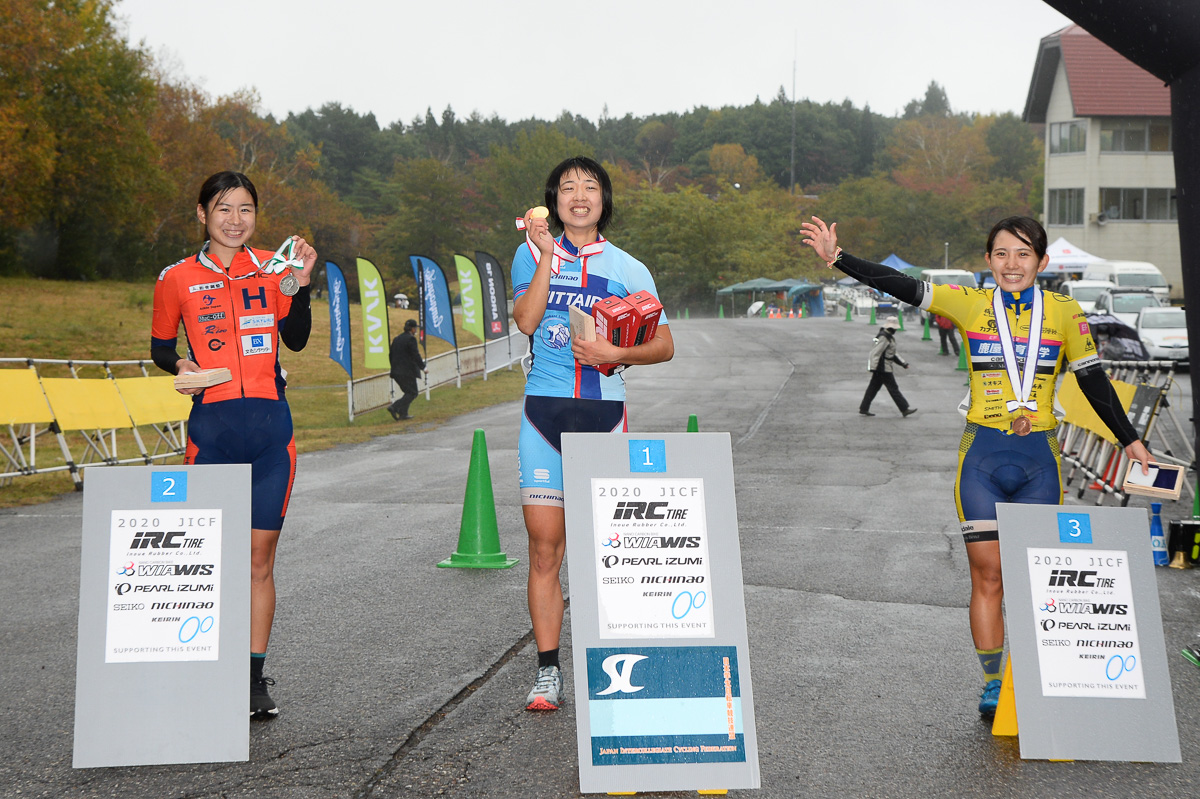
[(648, 510), (165, 569)]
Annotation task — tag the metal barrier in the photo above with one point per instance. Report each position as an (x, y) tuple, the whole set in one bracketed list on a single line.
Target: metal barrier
[(377, 391), (1103, 464), (93, 409)]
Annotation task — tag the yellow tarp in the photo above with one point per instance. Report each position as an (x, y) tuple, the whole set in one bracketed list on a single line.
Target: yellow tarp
[(154, 400), (21, 398), (88, 404), (1079, 410)]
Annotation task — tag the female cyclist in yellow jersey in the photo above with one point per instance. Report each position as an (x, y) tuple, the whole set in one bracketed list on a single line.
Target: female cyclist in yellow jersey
[(1008, 452)]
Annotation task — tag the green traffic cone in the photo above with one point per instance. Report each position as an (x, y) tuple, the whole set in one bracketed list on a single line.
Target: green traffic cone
[(962, 358), (900, 318), (872, 319), (721, 312), (925, 336), (479, 535), (693, 423), (849, 309), (687, 313)]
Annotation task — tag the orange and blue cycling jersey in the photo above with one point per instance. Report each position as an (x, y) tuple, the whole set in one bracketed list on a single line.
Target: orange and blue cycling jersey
[(236, 323), (1066, 340), (228, 322)]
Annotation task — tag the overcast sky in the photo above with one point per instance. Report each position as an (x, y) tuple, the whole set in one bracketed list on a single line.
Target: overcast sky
[(519, 60)]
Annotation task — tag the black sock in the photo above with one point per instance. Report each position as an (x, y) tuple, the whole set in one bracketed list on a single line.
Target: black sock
[(256, 665), (547, 658)]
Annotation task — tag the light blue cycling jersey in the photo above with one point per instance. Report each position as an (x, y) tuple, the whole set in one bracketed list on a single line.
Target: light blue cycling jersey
[(554, 371)]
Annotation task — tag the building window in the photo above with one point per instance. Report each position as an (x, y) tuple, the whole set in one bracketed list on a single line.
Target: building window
[(1066, 207), (1139, 205), (1135, 135), (1068, 137)]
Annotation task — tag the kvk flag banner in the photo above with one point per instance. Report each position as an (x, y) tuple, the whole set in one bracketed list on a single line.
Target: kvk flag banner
[(470, 294), (339, 317), (374, 310), (435, 294)]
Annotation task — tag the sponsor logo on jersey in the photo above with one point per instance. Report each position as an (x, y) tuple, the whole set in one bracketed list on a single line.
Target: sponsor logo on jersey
[(205, 287), (558, 336), (257, 344), (211, 317), (260, 320)]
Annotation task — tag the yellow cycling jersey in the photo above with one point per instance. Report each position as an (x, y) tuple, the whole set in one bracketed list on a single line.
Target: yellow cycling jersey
[(1066, 339)]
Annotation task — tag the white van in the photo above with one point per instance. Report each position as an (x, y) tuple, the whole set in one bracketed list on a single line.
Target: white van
[(1130, 275), (942, 277)]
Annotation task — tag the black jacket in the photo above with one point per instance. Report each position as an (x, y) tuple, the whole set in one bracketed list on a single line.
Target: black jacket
[(405, 356)]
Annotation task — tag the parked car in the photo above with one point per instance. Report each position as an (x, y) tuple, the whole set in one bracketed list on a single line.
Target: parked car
[(1130, 274), (1085, 292), (1125, 303), (1164, 332), (942, 277)]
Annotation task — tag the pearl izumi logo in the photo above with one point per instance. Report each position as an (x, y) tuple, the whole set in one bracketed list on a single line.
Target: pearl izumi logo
[(648, 510)]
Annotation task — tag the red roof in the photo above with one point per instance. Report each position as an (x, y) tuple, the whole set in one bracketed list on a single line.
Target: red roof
[(1106, 84)]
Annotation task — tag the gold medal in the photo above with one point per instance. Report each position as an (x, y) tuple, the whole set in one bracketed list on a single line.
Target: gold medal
[(1022, 426)]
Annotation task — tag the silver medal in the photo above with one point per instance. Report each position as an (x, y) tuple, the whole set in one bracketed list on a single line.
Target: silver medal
[(289, 285)]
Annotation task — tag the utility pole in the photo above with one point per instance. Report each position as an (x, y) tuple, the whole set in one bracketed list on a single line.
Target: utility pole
[(792, 178)]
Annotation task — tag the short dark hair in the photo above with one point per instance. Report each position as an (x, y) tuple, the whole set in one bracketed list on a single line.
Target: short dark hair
[(1027, 230), (219, 184), (593, 170), (410, 324)]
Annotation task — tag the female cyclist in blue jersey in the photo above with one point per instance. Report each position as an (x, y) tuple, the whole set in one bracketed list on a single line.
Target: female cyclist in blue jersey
[(235, 313), (564, 392), (1009, 452)]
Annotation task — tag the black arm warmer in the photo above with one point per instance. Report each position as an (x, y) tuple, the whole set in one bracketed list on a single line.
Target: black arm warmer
[(298, 323), (877, 276), (165, 358), (1095, 385)]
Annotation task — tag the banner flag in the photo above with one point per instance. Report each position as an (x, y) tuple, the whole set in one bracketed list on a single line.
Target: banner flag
[(339, 318), (435, 296), (469, 295), (495, 296), (375, 321)]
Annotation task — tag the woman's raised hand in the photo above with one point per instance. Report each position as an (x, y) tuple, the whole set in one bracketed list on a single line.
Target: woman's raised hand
[(822, 238)]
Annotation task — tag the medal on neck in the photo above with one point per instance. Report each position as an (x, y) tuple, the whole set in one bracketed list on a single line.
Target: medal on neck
[(279, 262), (561, 254), (1021, 382)]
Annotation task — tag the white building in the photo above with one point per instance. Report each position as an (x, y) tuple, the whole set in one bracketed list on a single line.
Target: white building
[(1110, 172)]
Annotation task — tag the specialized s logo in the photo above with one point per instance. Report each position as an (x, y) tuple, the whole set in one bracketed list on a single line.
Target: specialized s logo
[(619, 669), (558, 336)]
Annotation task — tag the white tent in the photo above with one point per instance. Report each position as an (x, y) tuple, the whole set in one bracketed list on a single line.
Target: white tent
[(1066, 257)]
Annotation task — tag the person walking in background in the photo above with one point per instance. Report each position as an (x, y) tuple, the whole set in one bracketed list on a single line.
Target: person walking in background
[(883, 355), (946, 331), (405, 357)]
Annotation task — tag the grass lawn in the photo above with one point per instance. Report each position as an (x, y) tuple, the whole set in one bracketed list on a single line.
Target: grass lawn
[(109, 320)]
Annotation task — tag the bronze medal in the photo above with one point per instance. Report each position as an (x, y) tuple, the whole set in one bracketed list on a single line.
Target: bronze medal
[(1022, 426), (289, 285)]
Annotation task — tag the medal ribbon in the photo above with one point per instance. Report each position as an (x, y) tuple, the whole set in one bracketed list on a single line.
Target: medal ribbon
[(1022, 384), (561, 255), (277, 263)]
